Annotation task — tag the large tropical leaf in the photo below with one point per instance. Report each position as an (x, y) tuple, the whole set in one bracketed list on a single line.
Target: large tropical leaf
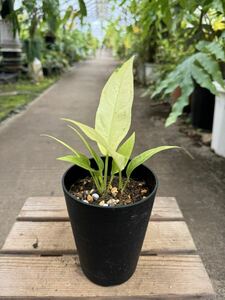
[(113, 117), (141, 158), (211, 66), (187, 86), (202, 78), (177, 108), (201, 67), (217, 50)]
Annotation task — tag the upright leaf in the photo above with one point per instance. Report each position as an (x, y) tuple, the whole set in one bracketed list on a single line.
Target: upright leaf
[(141, 158), (113, 117), (126, 150), (83, 8)]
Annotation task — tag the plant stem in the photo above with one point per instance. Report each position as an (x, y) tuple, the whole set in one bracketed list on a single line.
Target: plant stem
[(100, 180), (106, 171), (98, 186), (120, 180), (110, 181), (125, 184)]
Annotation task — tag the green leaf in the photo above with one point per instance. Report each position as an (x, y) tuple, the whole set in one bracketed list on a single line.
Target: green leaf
[(201, 67), (83, 8), (201, 45), (141, 158), (217, 50), (187, 87), (202, 78), (95, 136), (79, 161), (177, 109), (122, 3), (78, 154), (96, 157), (126, 150), (67, 14), (211, 66), (62, 143), (217, 5), (113, 117), (213, 48)]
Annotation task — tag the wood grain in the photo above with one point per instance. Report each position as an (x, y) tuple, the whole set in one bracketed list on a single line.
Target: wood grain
[(54, 209), (57, 238), (156, 277)]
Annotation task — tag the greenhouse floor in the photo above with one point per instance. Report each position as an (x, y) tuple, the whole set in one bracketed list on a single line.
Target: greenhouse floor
[(28, 166)]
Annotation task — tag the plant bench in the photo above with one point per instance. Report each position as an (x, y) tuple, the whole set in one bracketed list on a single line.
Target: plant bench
[(38, 259)]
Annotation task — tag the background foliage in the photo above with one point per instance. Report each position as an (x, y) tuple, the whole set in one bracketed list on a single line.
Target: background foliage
[(185, 40), (49, 33)]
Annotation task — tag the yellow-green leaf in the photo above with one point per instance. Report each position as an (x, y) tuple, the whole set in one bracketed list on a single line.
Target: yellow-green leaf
[(62, 143), (113, 117), (126, 150), (95, 136), (141, 158), (79, 161), (96, 157)]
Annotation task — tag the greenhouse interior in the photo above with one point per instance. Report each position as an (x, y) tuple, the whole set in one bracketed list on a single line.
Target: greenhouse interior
[(112, 149)]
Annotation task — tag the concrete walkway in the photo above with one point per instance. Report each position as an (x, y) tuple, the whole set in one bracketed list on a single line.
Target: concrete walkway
[(28, 166)]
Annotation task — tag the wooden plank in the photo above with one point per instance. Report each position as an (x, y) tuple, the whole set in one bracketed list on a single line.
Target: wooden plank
[(156, 277), (54, 209), (57, 238)]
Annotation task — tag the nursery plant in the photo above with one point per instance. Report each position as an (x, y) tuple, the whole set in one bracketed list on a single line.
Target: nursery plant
[(199, 32), (109, 197), (201, 67), (112, 123)]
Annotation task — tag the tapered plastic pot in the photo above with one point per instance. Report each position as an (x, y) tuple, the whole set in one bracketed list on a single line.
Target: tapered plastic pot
[(109, 239), (202, 108)]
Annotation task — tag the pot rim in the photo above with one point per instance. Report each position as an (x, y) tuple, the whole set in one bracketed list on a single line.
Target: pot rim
[(110, 207)]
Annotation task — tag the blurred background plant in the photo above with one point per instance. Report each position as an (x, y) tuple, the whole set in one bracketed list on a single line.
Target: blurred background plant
[(179, 46), (38, 41), (50, 34)]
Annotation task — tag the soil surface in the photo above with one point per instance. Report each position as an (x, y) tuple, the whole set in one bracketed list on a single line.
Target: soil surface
[(85, 191)]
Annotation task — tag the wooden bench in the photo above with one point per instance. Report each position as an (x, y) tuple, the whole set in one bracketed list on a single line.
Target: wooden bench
[(38, 259)]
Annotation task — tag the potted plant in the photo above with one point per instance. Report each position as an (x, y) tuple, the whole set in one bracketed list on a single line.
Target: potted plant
[(201, 68), (110, 197)]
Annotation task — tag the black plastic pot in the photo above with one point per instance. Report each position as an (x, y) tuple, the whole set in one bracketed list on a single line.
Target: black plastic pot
[(202, 108), (109, 239)]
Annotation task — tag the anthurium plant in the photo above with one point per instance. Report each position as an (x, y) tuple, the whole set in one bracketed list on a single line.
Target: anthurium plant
[(112, 123)]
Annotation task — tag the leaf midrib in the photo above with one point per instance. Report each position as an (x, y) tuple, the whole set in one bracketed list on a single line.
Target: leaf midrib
[(114, 107)]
